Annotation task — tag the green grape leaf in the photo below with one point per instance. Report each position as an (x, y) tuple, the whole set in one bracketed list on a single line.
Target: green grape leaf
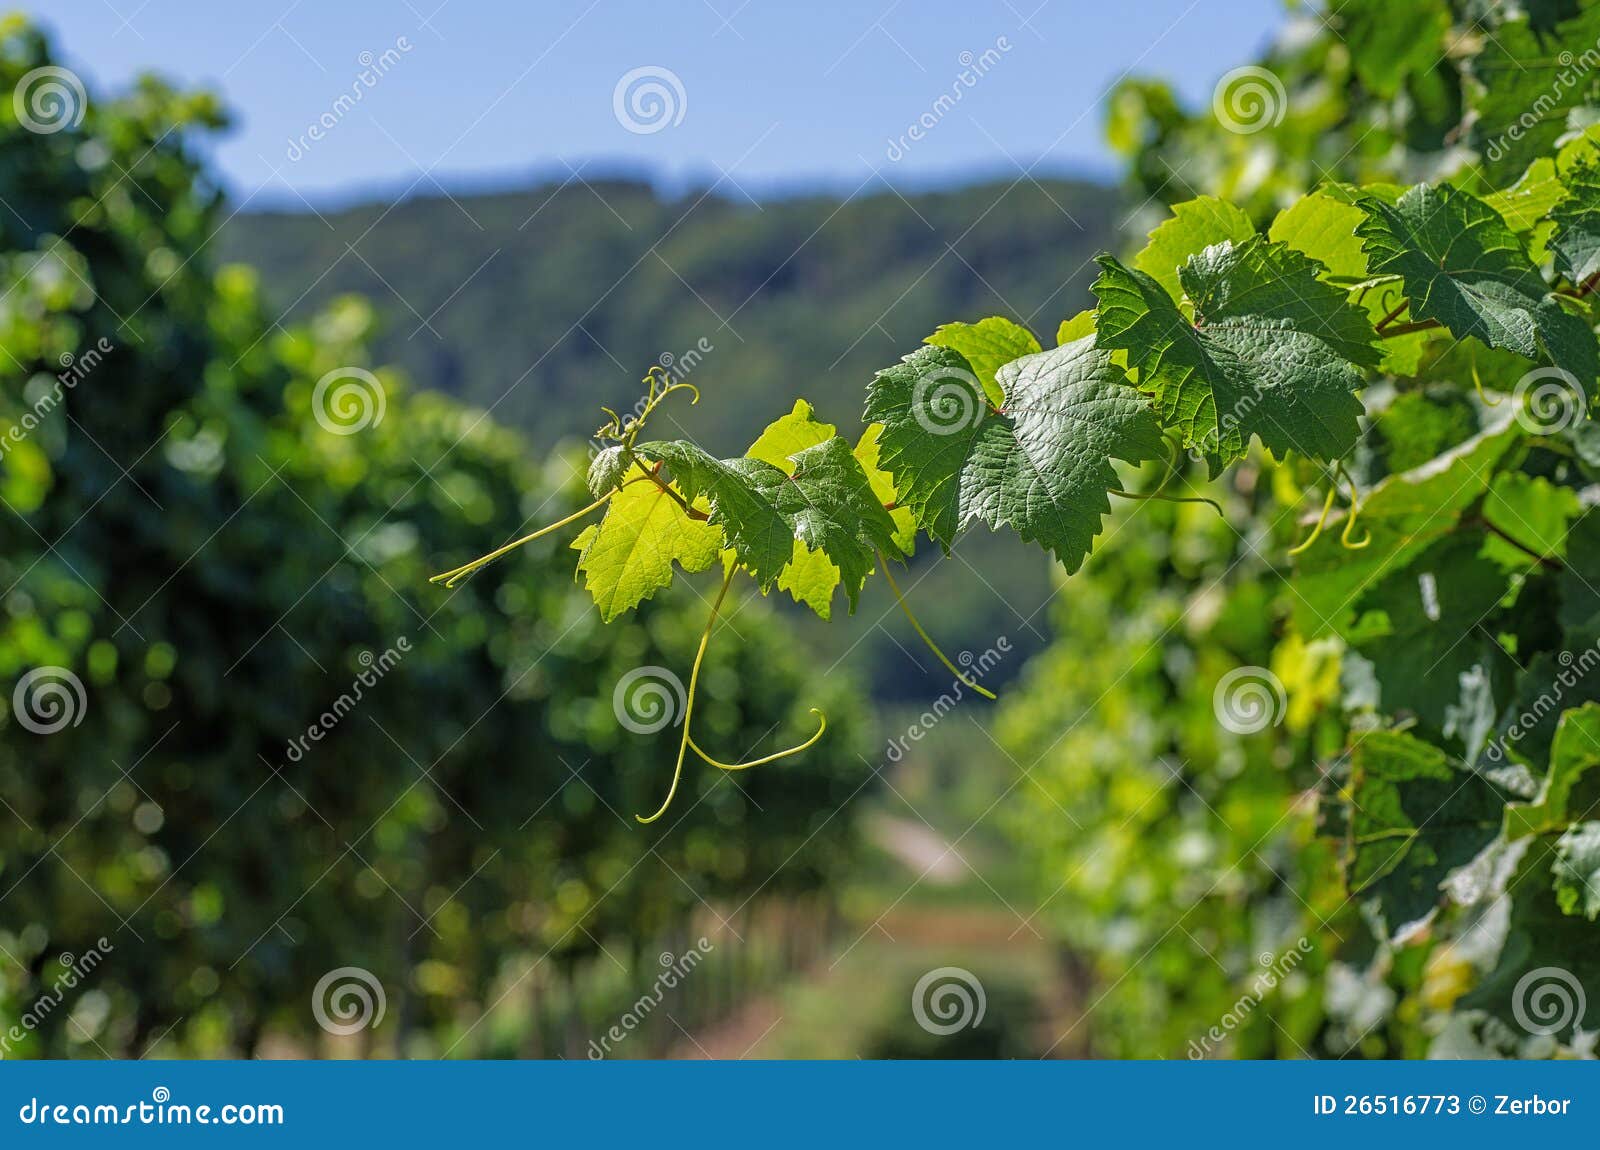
[(1576, 870), (868, 449), (788, 435), (810, 577), (628, 556), (1574, 752), (1576, 242), (1195, 225), (1415, 816), (1534, 512), (1041, 464), (606, 470), (1272, 352), (1324, 228), (987, 345), (1462, 266), (1076, 327), (827, 504), (1528, 201)]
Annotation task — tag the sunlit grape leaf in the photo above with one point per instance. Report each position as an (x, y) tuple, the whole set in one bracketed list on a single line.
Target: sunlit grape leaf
[(868, 449), (986, 346), (1194, 226), (1272, 352), (1041, 464), (628, 556), (1532, 516), (1576, 242), (1323, 228), (827, 504)]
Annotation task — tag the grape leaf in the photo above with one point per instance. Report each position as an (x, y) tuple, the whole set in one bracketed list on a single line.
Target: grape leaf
[(628, 556), (827, 504), (1461, 265), (810, 577), (868, 449), (1576, 242), (1415, 816), (1041, 464), (1323, 228), (1574, 752), (1195, 225), (1576, 870), (1272, 351), (986, 346), (606, 470)]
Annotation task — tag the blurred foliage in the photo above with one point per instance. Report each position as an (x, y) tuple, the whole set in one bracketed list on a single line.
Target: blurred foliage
[(218, 568)]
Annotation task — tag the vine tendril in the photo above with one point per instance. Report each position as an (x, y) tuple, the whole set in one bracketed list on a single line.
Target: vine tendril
[(923, 635)]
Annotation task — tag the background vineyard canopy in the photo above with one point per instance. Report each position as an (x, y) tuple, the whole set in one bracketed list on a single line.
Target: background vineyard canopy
[(1341, 720)]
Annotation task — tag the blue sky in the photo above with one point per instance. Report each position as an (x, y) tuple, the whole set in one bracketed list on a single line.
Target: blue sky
[(775, 96)]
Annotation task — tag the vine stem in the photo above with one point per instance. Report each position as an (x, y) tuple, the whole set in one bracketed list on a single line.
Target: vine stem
[(923, 635), (451, 578)]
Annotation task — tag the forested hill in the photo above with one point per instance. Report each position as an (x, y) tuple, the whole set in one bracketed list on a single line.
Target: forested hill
[(545, 303)]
